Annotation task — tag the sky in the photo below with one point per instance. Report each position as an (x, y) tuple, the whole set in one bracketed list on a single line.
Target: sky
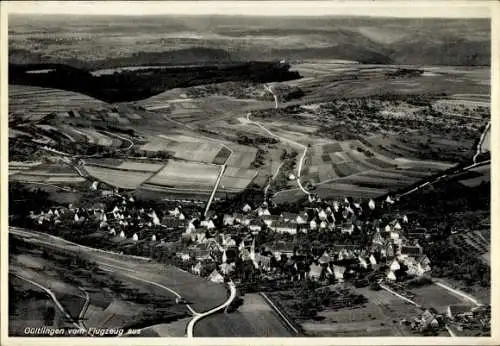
[(387, 8)]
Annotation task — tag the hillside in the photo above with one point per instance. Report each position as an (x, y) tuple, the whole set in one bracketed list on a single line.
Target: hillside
[(186, 40)]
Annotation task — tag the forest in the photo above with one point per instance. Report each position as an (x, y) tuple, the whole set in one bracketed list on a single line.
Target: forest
[(126, 86)]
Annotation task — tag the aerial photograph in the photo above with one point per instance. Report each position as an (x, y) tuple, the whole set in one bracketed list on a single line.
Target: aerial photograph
[(257, 171)]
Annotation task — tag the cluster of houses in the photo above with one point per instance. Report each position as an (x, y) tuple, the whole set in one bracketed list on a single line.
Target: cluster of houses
[(389, 246), (460, 316), (122, 222), (467, 317), (218, 244)]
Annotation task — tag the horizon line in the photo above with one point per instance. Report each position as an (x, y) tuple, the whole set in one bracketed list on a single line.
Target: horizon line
[(257, 8)]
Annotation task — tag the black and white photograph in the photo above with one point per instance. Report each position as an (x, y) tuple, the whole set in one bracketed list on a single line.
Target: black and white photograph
[(254, 169)]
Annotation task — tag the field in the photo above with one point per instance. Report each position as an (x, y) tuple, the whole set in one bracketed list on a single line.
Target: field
[(379, 316), (436, 297), (32, 308), (125, 179), (44, 173), (236, 179), (185, 175), (115, 300), (474, 242), (34, 103), (477, 175), (125, 165), (255, 318)]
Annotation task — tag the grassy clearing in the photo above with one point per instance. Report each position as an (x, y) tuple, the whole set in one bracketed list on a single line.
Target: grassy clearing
[(118, 178)]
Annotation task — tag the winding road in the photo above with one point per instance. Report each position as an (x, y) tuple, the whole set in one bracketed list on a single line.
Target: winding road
[(197, 317), (55, 300), (283, 139), (107, 263), (479, 148)]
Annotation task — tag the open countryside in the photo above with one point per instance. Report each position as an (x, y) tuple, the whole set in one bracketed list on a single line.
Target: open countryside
[(211, 176)]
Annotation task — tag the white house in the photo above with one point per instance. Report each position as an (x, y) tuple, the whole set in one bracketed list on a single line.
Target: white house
[(362, 262), (135, 237), (373, 261), (322, 215), (313, 225), (300, 220), (338, 272), (391, 276), (348, 229), (247, 208), (196, 269), (216, 277), (395, 265)]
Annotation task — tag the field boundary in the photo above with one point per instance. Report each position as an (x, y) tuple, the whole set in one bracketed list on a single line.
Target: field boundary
[(291, 325)]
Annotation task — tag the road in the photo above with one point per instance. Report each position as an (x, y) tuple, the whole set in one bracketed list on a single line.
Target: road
[(272, 178), (197, 317), (399, 295), (201, 294), (55, 300), (216, 186), (85, 306), (283, 139), (479, 149), (427, 182), (458, 293)]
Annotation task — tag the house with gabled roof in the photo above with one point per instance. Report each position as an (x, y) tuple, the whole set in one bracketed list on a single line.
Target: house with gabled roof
[(313, 225), (362, 262), (424, 262), (325, 258), (284, 227), (228, 220), (338, 272), (281, 247), (391, 276), (245, 255), (216, 277), (300, 220), (227, 268), (412, 250), (254, 226), (196, 269), (394, 265), (246, 208), (315, 271), (264, 262), (286, 216), (269, 220)]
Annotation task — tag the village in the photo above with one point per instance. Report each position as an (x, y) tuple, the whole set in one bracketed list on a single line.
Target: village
[(361, 243)]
